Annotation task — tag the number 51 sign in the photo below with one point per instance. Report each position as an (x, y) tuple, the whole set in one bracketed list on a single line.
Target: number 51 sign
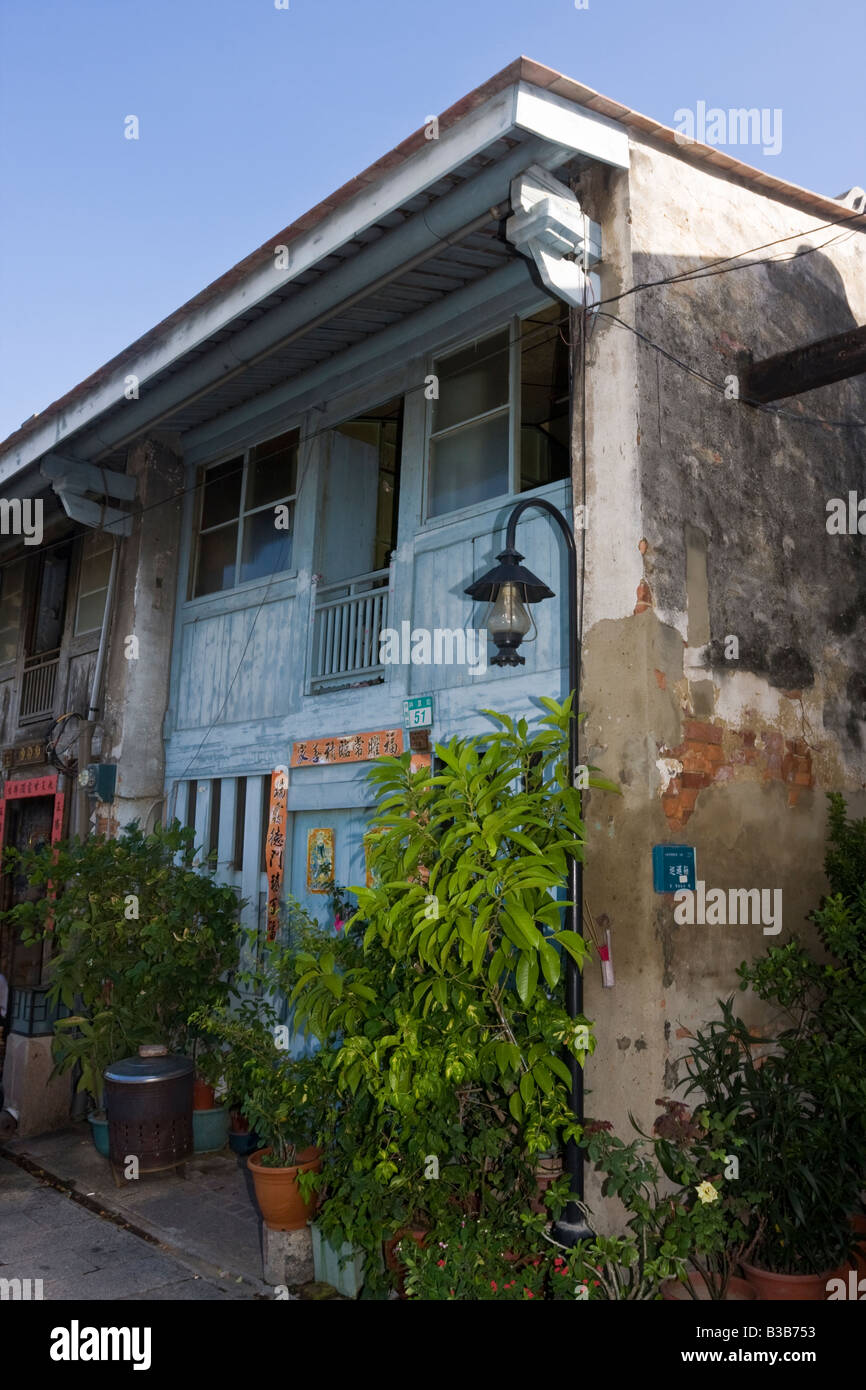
[(418, 712)]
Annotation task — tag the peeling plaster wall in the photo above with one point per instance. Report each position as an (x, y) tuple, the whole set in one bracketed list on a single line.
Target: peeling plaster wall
[(137, 689), (707, 520)]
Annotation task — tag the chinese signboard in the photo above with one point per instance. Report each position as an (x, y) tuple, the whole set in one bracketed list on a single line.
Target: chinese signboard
[(275, 846), (29, 753), (348, 748)]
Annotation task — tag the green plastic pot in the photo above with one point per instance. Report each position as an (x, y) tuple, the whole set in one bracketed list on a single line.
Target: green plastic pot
[(99, 1130), (210, 1129)]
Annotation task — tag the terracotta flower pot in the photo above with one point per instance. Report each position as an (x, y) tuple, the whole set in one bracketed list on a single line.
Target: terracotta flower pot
[(738, 1291), (238, 1122), (547, 1170), (277, 1191), (203, 1095), (788, 1288)]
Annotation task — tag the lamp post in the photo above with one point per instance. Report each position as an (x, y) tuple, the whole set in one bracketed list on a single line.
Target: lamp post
[(509, 587)]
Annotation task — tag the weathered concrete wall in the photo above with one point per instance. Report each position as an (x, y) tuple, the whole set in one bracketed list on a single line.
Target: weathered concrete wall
[(708, 521), (137, 688)]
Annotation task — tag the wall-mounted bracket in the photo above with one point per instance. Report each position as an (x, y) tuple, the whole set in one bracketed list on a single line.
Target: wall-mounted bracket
[(71, 480), (548, 226)]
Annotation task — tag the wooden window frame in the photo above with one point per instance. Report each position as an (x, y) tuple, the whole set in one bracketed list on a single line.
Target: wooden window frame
[(240, 518)]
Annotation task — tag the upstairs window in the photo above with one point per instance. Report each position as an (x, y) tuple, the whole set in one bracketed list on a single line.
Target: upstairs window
[(93, 583), (500, 424), (246, 516)]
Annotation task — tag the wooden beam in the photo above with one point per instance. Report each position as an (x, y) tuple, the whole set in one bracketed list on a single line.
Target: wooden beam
[(803, 368)]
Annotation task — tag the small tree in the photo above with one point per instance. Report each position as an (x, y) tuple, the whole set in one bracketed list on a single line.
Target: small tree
[(139, 939), (443, 1004)]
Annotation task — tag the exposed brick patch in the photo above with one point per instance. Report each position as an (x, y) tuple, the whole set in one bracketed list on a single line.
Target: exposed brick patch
[(710, 753), (661, 679), (702, 733), (644, 597)]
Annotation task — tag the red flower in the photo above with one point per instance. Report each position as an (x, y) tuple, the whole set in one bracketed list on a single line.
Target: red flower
[(528, 1292), (440, 1263)]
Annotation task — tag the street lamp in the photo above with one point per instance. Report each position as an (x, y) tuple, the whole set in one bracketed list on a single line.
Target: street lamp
[(509, 587)]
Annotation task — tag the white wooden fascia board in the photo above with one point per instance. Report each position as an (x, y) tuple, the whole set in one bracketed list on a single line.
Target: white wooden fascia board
[(470, 137), (563, 123)]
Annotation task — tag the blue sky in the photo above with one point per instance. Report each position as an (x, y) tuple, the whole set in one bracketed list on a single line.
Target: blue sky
[(249, 115)]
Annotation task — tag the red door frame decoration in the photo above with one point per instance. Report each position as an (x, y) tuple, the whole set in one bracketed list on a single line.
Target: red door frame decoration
[(33, 786)]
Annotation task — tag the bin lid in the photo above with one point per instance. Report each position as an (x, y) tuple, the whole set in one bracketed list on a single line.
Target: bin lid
[(158, 1064)]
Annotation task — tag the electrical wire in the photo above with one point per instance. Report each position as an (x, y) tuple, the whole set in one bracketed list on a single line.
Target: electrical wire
[(706, 271)]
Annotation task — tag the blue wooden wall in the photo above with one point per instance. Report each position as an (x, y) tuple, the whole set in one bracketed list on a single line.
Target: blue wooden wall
[(240, 694)]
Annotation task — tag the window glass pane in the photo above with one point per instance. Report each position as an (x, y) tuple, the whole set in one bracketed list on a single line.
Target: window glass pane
[(469, 466), (544, 403), (216, 561), (272, 470), (11, 591), (471, 381), (222, 493), (266, 550), (95, 570), (91, 608), (92, 584)]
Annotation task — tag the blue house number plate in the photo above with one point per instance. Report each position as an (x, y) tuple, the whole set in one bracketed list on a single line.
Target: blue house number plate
[(418, 712), (673, 868)]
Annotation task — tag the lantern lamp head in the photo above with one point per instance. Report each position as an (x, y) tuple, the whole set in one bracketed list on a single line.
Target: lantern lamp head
[(508, 588)]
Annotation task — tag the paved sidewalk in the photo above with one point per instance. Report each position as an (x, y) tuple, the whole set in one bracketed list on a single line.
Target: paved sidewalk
[(209, 1219), (80, 1255)]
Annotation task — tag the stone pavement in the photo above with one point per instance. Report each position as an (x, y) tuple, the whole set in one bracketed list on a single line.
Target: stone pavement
[(205, 1233), (79, 1255)]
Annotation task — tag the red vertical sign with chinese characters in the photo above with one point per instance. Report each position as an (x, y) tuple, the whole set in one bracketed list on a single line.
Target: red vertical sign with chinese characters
[(275, 846), (34, 786)]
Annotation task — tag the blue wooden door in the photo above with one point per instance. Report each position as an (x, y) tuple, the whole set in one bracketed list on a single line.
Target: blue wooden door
[(348, 828)]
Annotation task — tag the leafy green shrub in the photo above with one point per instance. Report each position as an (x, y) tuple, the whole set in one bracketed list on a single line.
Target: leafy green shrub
[(800, 1090), (440, 1007), (138, 938)]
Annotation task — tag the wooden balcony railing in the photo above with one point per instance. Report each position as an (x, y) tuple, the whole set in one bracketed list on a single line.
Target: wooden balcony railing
[(348, 619), (38, 687)]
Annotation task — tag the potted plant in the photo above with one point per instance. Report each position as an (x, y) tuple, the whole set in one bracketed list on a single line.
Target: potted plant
[(284, 1099), (138, 938), (687, 1235), (787, 1132), (800, 1089)]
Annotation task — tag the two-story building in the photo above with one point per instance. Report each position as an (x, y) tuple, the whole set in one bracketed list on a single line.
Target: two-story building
[(543, 294)]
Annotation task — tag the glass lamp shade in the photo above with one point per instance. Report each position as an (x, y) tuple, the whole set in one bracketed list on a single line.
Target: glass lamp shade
[(508, 624)]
